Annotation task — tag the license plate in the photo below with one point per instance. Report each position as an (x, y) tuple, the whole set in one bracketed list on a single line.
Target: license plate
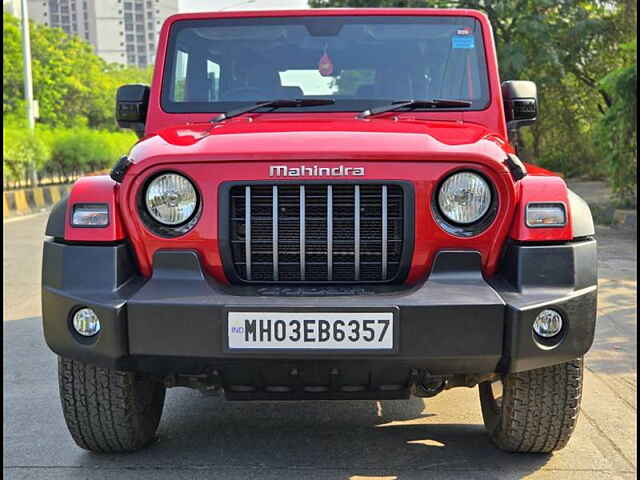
[(310, 331)]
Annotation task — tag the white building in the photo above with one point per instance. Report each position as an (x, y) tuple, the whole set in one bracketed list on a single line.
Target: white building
[(13, 7), (121, 31)]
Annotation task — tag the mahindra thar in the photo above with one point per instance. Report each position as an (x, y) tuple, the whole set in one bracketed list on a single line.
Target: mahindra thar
[(322, 204)]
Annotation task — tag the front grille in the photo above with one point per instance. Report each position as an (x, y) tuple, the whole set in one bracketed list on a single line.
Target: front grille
[(314, 232)]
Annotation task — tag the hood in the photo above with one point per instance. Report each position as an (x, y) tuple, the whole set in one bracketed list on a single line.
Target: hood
[(303, 138)]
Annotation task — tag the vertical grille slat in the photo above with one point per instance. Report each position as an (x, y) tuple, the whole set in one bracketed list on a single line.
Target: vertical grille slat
[(356, 231), (384, 232), (319, 233), (275, 225), (303, 239), (329, 233), (247, 230)]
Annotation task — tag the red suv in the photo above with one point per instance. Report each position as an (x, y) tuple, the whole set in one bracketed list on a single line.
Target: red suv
[(323, 204)]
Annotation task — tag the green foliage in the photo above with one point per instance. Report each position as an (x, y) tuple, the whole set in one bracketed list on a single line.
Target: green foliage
[(21, 148), (100, 113), (618, 130), (11, 65), (75, 90), (73, 86), (85, 150), (59, 152)]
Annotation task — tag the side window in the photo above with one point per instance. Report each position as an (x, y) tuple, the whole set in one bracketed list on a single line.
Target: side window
[(213, 78), (180, 76)]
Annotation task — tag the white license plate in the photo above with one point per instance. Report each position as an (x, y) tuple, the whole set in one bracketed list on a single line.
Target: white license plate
[(310, 331)]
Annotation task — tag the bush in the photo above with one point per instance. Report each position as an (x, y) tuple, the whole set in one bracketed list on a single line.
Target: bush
[(20, 150), (83, 150), (59, 152)]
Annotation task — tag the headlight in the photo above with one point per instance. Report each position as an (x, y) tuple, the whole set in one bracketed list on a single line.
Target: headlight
[(171, 199), (464, 198)]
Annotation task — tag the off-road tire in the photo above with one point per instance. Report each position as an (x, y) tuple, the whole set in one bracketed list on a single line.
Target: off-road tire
[(109, 411), (538, 410)]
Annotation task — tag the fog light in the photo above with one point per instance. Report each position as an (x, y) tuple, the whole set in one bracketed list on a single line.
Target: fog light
[(86, 322), (548, 323)]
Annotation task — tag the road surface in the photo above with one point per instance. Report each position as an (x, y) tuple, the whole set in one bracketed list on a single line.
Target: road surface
[(206, 437)]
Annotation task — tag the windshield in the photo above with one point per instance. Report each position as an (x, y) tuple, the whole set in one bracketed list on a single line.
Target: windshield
[(360, 62)]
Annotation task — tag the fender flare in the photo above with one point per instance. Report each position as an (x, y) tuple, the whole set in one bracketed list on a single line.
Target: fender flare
[(56, 222), (581, 218)]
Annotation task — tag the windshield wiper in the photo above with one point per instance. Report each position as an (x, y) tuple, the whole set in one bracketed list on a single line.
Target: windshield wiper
[(435, 103), (298, 102)]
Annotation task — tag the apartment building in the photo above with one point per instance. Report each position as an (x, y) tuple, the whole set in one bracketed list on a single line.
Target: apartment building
[(121, 31), (13, 7)]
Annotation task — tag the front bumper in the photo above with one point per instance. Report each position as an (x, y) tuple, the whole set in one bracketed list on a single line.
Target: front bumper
[(454, 323)]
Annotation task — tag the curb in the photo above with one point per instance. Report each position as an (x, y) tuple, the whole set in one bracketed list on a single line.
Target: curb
[(626, 217), (31, 200), (607, 214)]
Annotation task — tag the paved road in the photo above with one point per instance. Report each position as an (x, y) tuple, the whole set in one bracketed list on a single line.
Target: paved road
[(205, 437)]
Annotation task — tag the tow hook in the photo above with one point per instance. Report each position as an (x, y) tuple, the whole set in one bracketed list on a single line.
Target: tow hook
[(429, 385)]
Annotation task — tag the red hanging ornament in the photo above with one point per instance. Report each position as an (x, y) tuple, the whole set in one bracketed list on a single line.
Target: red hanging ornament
[(325, 65)]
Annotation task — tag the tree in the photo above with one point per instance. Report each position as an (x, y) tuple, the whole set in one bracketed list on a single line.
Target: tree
[(618, 129), (100, 112), (11, 65), (73, 86)]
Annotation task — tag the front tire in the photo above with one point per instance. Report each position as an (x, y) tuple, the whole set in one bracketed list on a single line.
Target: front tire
[(109, 411), (533, 411)]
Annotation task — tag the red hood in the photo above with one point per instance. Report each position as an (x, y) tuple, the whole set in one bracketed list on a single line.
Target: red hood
[(305, 138)]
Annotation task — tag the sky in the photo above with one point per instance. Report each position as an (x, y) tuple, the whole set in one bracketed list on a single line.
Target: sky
[(229, 5)]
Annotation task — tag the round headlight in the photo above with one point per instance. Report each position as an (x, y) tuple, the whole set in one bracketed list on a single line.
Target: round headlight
[(171, 199), (464, 197)]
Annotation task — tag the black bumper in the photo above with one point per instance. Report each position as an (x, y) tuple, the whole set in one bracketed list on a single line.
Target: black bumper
[(456, 322)]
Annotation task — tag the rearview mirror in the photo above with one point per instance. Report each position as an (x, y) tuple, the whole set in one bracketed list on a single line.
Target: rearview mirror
[(132, 102), (520, 103)]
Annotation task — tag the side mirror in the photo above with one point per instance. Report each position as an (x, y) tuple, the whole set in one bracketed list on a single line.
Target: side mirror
[(132, 102), (520, 103)]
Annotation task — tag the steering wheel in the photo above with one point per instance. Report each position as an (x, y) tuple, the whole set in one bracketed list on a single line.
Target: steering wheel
[(243, 93)]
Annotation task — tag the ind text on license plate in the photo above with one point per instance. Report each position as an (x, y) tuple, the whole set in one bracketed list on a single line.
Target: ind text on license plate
[(313, 331)]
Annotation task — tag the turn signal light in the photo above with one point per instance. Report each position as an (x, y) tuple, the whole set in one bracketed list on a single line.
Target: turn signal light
[(546, 215), (90, 215)]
